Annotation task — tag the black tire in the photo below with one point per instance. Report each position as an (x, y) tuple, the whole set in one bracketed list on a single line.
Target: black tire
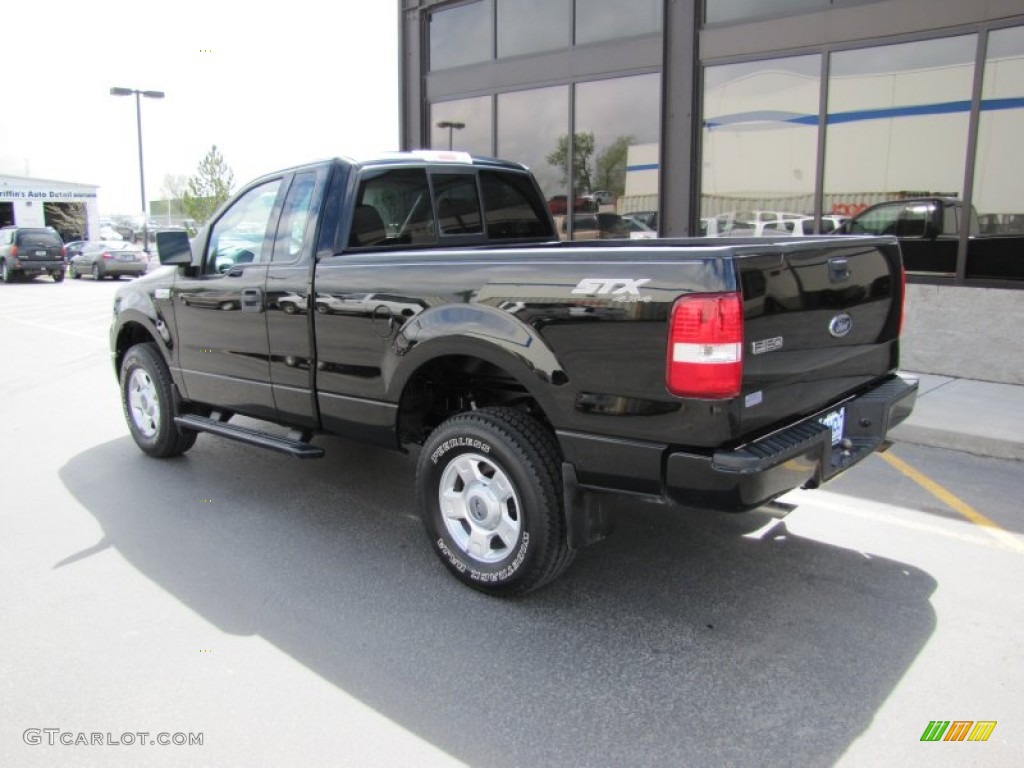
[(96, 272), (504, 533), (6, 274), (58, 277), (147, 397), (75, 274)]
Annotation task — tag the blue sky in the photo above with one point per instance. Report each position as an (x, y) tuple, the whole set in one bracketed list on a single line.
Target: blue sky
[(270, 85)]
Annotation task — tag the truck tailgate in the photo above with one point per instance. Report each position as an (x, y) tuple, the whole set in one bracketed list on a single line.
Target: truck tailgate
[(820, 322)]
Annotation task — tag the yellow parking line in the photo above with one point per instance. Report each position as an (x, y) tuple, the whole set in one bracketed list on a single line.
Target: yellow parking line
[(953, 502)]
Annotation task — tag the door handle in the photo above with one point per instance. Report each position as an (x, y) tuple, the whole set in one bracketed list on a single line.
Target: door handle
[(252, 300), (838, 269)]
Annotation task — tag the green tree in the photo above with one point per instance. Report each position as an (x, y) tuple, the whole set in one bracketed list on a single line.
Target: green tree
[(582, 156), (610, 167), (209, 187)]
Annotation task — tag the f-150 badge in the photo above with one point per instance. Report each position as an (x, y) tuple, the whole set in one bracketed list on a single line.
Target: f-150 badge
[(620, 288), (766, 345)]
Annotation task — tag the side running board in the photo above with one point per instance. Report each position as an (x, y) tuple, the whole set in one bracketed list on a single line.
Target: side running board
[(294, 444)]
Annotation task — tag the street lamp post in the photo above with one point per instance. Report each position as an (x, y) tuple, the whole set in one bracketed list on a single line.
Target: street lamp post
[(451, 125), (138, 124)]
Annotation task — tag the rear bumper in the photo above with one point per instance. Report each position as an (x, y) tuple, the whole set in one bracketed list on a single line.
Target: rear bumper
[(37, 267), (123, 268), (799, 456)]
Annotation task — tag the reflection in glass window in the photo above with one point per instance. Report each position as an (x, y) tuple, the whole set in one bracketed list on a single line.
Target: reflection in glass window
[(759, 143), (609, 19), (460, 35), (616, 152), (291, 231), (897, 122), (511, 208), (239, 235), (530, 124), (464, 124), (458, 204), (999, 163), (532, 26), (718, 11)]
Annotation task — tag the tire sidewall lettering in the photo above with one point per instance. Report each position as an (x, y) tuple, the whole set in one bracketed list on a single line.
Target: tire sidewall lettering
[(459, 442), (501, 575)]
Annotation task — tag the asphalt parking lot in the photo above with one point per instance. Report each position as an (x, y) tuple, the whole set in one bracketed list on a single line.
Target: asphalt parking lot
[(291, 613)]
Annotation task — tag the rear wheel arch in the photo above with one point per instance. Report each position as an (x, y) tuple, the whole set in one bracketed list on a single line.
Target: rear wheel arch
[(448, 384)]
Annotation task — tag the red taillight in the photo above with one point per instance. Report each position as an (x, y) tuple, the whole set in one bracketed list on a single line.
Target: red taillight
[(106, 255), (705, 346), (63, 251), (14, 251)]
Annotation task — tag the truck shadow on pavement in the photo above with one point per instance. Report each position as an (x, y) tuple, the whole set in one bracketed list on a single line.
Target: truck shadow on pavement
[(677, 641)]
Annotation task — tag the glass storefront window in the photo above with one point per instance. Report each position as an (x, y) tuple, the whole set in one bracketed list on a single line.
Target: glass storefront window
[(532, 26), (463, 124), (460, 35), (897, 129), (610, 19), (615, 169), (530, 124), (999, 163), (759, 146)]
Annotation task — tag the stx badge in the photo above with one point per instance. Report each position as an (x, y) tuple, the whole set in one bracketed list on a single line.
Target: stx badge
[(624, 288)]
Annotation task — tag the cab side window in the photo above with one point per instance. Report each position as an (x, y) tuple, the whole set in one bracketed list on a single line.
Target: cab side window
[(950, 221), (881, 221), (291, 231), (393, 208), (240, 235)]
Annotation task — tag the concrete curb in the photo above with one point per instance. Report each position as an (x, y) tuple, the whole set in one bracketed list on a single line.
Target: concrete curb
[(978, 417), (975, 444)]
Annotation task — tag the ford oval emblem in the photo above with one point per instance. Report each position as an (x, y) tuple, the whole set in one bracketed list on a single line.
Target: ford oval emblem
[(840, 325)]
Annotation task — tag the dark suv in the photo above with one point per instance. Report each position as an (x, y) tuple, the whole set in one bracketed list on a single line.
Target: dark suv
[(31, 251)]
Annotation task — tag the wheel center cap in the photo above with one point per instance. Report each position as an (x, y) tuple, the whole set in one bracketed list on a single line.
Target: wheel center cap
[(478, 509), (483, 506)]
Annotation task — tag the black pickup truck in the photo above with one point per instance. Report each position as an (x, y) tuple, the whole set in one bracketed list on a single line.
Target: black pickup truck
[(423, 300)]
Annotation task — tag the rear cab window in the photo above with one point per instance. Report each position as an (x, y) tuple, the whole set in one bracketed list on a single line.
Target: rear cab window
[(425, 206), (512, 208)]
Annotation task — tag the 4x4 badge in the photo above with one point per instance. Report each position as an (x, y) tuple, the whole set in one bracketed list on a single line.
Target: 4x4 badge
[(840, 325)]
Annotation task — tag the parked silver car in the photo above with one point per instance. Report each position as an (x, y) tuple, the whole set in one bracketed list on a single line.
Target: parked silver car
[(109, 258)]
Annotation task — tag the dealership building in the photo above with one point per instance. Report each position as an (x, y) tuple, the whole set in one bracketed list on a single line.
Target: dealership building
[(702, 116), (67, 207)]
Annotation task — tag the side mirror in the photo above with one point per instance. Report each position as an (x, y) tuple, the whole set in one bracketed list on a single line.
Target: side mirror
[(174, 248)]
